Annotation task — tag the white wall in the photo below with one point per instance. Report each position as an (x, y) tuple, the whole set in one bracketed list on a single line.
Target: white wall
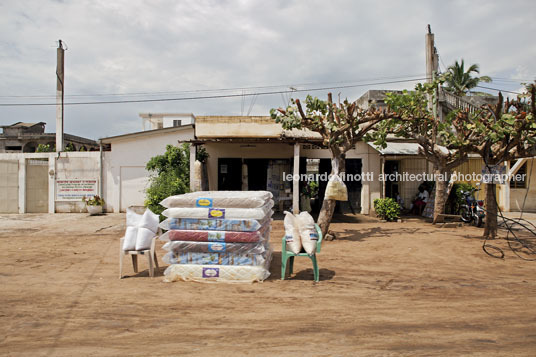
[(517, 195), (68, 165), (126, 178)]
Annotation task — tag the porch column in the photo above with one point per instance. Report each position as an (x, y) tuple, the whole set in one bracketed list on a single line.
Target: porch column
[(296, 183), (505, 191), (192, 167)]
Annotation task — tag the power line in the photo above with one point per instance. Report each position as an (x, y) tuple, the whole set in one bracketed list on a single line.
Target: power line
[(499, 90), (214, 90), (212, 96)]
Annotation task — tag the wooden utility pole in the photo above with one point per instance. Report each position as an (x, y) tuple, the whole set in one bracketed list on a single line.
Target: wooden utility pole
[(59, 97)]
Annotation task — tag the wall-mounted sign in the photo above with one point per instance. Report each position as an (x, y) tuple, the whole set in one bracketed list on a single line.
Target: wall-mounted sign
[(75, 189)]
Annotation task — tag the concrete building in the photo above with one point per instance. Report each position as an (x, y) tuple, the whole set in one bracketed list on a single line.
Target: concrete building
[(245, 153), (254, 153), (26, 137)]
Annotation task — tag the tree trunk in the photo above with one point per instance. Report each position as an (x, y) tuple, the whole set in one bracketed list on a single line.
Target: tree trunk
[(490, 229), (441, 194), (328, 206), (325, 215)]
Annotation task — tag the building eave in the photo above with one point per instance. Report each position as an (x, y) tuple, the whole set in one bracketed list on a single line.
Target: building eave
[(111, 139)]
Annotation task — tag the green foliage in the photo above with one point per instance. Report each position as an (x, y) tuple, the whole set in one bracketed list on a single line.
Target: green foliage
[(94, 201), (70, 147), (461, 81), (45, 148), (201, 154), (341, 125), (502, 132), (387, 209), (310, 189), (415, 121), (171, 176)]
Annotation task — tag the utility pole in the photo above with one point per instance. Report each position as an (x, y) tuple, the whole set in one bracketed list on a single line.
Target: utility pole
[(432, 67), (59, 97)]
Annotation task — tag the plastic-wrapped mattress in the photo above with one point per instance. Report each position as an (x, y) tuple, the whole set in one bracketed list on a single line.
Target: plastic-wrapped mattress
[(218, 273), (208, 273), (216, 247), (216, 236), (228, 199), (220, 213), (236, 225), (214, 258)]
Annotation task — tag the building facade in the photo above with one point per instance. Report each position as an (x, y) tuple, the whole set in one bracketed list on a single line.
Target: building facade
[(26, 137)]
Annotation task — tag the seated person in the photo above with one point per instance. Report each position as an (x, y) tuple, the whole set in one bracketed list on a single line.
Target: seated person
[(420, 201)]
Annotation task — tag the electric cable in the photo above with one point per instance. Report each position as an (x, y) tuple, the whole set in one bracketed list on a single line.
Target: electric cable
[(499, 90), (211, 96), (409, 76)]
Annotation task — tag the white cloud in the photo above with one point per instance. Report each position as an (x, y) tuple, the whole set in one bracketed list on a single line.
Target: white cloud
[(138, 46)]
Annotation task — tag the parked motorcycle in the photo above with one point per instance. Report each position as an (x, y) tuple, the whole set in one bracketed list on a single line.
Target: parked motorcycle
[(472, 210)]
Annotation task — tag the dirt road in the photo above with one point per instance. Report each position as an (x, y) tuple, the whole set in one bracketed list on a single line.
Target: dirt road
[(386, 289)]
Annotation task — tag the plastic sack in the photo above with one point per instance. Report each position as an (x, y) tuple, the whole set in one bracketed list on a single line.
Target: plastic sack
[(227, 199), (236, 225), (308, 233), (220, 213), (292, 233), (141, 228), (336, 189), (216, 247)]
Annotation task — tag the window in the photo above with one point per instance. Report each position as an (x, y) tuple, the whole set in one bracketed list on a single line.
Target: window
[(177, 122), (518, 180)]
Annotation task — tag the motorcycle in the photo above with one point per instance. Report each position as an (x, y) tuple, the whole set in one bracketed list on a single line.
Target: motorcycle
[(472, 210)]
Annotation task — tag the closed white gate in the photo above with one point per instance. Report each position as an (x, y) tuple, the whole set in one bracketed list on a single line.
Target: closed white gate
[(9, 186), (36, 186)]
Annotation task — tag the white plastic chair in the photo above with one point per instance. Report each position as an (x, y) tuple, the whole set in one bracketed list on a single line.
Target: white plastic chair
[(150, 253)]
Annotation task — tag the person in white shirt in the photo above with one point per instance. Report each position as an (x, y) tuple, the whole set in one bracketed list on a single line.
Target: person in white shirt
[(420, 201)]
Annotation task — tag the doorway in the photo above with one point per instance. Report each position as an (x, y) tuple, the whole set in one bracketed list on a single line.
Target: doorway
[(392, 186), (230, 174), (257, 174)]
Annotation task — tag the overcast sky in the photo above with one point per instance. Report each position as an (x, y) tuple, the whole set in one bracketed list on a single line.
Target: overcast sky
[(125, 47)]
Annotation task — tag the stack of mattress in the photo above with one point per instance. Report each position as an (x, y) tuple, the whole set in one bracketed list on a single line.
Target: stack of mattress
[(218, 236)]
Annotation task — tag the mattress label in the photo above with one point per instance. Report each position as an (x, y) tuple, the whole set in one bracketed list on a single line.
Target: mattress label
[(211, 272), (216, 236), (203, 202), (216, 247), (313, 236), (218, 213), (289, 238)]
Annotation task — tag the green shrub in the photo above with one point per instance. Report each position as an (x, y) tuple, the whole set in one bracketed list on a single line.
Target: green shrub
[(387, 208), (171, 176)]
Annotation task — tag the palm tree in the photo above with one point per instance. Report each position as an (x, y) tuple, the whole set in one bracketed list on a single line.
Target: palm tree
[(461, 81)]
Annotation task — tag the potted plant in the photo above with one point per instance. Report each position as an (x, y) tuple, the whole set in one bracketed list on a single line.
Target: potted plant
[(94, 204)]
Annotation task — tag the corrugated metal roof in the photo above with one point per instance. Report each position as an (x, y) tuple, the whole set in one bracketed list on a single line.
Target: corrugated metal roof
[(301, 134), (398, 148)]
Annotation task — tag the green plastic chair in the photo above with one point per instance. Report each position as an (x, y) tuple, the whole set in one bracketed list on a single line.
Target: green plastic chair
[(286, 254)]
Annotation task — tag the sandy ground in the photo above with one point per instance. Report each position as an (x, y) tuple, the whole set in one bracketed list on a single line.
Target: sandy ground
[(386, 289)]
